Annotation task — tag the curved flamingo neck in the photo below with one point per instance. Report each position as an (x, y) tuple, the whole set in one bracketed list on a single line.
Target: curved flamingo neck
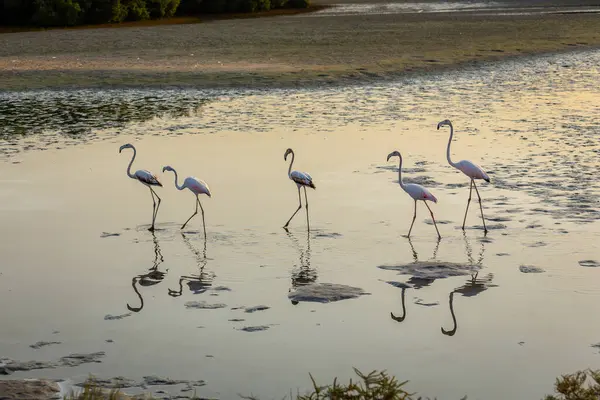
[(129, 174), (176, 179), (291, 163), (400, 173), (450, 142)]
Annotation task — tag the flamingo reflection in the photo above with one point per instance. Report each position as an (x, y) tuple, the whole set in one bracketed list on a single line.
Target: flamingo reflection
[(196, 283), (303, 274), (471, 288), (151, 278)]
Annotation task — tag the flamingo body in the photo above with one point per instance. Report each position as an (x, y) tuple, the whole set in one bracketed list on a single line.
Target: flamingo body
[(196, 186), (418, 192), (302, 179), (471, 170), (146, 177)]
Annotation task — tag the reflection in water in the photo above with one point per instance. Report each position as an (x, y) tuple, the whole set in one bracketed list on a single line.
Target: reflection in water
[(76, 113), (302, 274), (196, 283), (414, 282), (472, 287), (151, 278)]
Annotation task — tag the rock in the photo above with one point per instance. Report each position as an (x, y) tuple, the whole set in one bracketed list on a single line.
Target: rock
[(530, 269), (204, 305), (117, 382), (29, 389), (41, 344), (325, 293), (109, 317), (256, 308)]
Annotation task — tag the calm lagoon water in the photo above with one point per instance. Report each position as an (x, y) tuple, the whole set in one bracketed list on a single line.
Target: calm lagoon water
[(80, 268)]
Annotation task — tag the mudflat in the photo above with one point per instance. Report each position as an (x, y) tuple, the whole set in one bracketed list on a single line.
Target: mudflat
[(333, 45)]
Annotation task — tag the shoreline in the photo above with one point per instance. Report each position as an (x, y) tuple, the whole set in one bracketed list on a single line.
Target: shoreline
[(177, 20), (285, 52)]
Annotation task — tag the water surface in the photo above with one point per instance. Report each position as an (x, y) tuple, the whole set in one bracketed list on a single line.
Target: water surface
[(78, 257)]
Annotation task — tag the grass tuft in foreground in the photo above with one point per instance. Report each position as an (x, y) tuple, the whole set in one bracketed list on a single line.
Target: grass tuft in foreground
[(573, 386), (378, 385)]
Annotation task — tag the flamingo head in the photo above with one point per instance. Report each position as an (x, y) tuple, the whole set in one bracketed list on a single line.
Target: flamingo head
[(168, 168), (394, 154), (445, 122), (125, 146), (288, 151)]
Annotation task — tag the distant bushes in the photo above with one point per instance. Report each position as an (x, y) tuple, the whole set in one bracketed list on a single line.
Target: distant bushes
[(77, 12)]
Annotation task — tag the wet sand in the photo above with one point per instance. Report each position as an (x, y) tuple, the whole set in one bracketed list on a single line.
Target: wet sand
[(321, 48), (76, 249)]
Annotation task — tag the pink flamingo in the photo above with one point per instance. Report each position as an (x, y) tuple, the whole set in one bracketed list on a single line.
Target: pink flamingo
[(473, 171), (417, 192), (301, 179), (147, 178), (196, 186)]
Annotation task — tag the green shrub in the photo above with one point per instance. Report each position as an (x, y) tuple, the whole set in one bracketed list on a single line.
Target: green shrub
[(162, 8), (56, 12), (136, 10), (298, 3)]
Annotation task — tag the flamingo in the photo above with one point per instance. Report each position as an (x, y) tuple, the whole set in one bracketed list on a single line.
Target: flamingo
[(196, 186), (147, 178), (417, 192), (473, 171), (301, 179)]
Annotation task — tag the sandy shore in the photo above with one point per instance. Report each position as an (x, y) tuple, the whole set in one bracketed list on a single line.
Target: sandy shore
[(281, 51)]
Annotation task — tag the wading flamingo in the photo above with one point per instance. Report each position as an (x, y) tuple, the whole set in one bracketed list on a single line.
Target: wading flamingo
[(417, 192), (473, 171), (196, 186), (147, 178), (301, 179)]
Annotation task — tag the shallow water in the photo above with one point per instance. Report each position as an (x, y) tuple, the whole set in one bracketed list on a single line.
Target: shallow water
[(77, 252)]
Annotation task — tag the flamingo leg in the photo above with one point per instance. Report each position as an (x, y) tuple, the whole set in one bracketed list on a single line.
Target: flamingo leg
[(434, 223), (203, 224), (306, 200), (468, 202), (413, 220), (295, 212), (193, 215), (480, 207), (154, 207)]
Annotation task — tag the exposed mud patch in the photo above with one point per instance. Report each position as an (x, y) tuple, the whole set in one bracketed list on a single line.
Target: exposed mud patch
[(530, 269), (109, 317), (8, 366), (204, 305), (42, 343), (258, 328), (256, 308), (325, 293), (432, 270), (589, 263)]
